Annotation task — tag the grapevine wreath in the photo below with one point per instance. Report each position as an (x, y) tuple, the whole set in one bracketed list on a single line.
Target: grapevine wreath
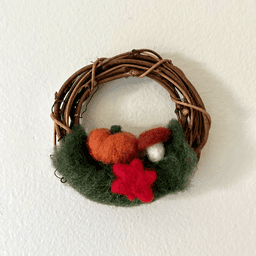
[(111, 166)]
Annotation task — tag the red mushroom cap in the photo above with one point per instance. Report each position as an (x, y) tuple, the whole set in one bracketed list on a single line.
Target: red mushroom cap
[(153, 136)]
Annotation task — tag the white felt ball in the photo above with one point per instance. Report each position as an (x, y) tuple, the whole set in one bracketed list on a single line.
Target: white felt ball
[(155, 152)]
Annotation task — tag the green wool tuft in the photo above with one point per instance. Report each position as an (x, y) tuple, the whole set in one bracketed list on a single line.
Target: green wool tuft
[(93, 179), (115, 129)]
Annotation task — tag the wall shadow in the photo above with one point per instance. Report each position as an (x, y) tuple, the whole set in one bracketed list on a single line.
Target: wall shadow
[(229, 153)]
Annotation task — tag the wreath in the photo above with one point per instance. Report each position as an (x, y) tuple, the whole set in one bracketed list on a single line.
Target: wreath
[(112, 166)]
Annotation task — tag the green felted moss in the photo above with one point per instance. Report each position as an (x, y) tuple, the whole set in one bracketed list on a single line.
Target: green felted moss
[(177, 165), (93, 179)]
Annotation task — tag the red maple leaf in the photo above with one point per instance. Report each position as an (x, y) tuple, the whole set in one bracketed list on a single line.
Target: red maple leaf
[(133, 181)]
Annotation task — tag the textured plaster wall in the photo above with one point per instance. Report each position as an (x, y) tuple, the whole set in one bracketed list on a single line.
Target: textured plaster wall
[(43, 42)]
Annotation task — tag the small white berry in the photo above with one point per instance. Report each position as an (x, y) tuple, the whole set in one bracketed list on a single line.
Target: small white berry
[(155, 152)]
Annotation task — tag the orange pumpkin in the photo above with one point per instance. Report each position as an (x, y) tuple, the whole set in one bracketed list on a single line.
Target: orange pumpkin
[(112, 146)]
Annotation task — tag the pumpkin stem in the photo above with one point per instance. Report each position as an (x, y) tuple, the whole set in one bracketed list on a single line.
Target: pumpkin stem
[(115, 129)]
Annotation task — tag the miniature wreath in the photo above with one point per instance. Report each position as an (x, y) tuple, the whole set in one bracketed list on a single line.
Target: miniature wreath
[(113, 167)]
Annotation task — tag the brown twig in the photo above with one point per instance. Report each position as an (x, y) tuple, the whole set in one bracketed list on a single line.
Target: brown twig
[(144, 62)]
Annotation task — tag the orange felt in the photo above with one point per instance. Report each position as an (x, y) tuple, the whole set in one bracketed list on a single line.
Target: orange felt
[(95, 140), (153, 136), (112, 148)]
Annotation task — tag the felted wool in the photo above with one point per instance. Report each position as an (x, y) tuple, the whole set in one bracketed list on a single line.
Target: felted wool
[(112, 147), (94, 179), (155, 152), (133, 181), (153, 136), (177, 165), (115, 129)]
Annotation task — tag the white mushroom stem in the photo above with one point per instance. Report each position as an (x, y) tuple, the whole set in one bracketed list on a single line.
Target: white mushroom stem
[(155, 152)]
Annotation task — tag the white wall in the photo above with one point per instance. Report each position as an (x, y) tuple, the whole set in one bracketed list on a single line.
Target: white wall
[(44, 42)]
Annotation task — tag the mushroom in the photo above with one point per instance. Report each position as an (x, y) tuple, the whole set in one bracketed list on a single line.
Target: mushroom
[(152, 142)]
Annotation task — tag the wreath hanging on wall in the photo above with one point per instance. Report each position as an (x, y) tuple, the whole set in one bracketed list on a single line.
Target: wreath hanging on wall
[(112, 166)]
